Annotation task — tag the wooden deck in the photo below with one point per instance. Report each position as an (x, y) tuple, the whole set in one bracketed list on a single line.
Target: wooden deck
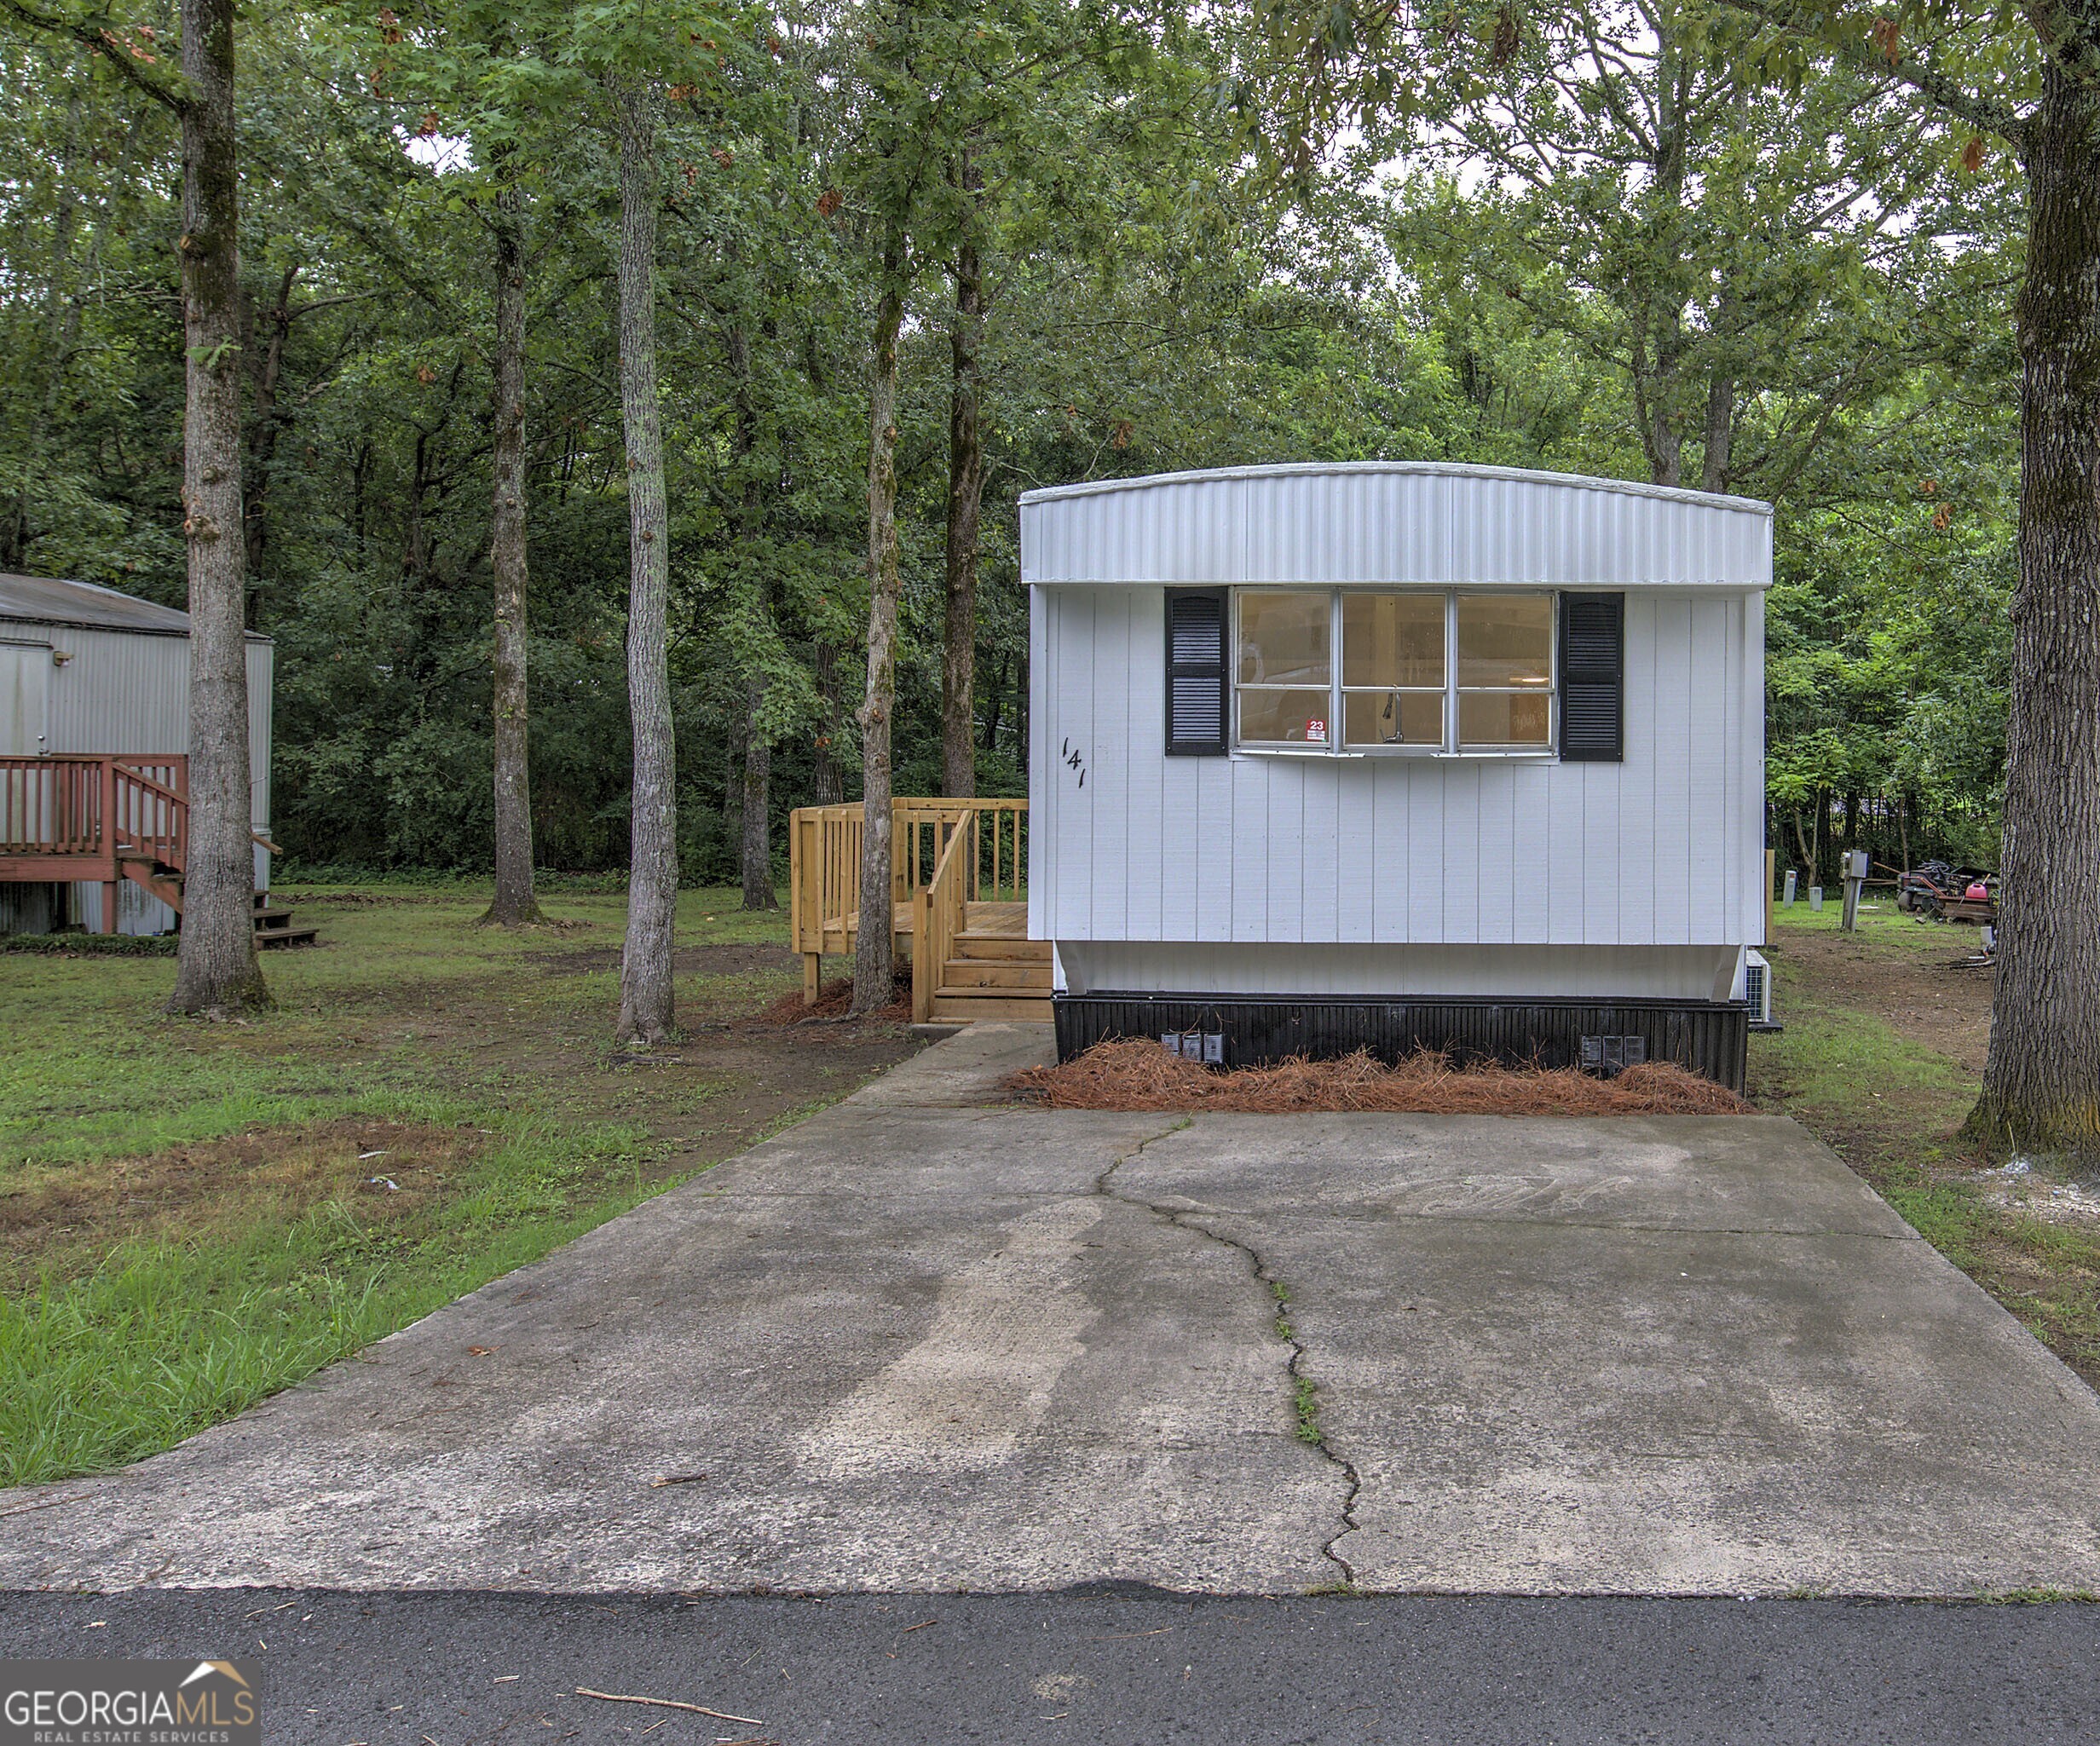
[(954, 862)]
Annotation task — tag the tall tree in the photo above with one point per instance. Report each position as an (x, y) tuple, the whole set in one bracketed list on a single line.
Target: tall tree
[(646, 1013), (216, 971), (874, 957), (515, 904), (966, 497), (2041, 1075)]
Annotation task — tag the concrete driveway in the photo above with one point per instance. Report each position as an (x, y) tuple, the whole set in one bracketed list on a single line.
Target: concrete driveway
[(917, 1343)]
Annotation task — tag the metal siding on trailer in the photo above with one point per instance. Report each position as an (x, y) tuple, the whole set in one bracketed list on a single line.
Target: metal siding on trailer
[(1288, 849), (1211, 852), (1530, 784), (1499, 867), (1392, 521), (1042, 858), (1251, 800), (1426, 869), (1357, 858), (1146, 772), (1464, 874), (121, 691), (1255, 848), (1296, 967), (1706, 858), (1107, 793), (1320, 858), (1751, 923), (1636, 787), (1670, 843), (1566, 877), (1074, 720), (1389, 789)]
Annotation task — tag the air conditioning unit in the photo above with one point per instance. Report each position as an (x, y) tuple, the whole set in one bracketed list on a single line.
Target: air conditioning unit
[(1757, 990)]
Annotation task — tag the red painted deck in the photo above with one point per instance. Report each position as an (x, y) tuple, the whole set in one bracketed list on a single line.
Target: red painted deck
[(68, 817)]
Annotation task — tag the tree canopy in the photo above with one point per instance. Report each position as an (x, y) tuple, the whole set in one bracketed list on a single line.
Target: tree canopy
[(1610, 236)]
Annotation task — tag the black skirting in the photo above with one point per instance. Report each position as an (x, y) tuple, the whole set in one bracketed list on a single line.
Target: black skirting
[(1710, 1037)]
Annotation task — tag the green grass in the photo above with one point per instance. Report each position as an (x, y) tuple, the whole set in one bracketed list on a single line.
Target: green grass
[(485, 1055), (1892, 1107)]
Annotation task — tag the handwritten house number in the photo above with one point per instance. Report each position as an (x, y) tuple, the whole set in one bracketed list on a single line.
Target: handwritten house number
[(1074, 760)]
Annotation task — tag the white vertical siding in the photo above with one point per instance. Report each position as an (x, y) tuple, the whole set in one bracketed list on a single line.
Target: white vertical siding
[(1662, 849)]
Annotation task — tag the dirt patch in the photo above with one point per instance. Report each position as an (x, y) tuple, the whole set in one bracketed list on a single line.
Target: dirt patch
[(835, 999), (385, 1170), (687, 960), (1925, 995), (1136, 1074)]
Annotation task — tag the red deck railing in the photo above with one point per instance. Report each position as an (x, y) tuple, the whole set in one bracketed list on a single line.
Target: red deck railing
[(70, 817)]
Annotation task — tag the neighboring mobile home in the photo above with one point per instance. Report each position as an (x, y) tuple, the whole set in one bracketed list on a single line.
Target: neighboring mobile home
[(1399, 754), (86, 671)]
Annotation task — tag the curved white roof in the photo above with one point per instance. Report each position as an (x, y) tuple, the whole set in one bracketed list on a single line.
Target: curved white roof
[(1403, 521)]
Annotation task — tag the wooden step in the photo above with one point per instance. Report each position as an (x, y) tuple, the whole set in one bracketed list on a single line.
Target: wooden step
[(968, 1006), (1001, 946), (267, 937), (992, 973)]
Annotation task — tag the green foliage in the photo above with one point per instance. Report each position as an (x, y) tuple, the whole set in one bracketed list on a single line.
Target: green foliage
[(1488, 267)]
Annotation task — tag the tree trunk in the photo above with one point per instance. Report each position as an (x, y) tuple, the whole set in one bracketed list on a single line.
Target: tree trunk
[(515, 904), (759, 892), (645, 972), (874, 970), (965, 496), (827, 782), (1720, 430), (217, 971), (2041, 1079)]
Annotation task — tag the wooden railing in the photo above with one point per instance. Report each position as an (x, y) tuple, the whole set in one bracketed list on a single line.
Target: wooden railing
[(938, 916), (74, 816), (824, 859), (75, 807)]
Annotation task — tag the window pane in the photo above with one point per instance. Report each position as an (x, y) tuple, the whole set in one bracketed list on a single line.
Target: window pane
[(1505, 639), (1504, 717), (1393, 639), (1392, 717), (1284, 638), (1286, 717)]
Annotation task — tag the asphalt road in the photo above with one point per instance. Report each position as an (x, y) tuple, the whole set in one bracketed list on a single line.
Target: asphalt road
[(450, 1669)]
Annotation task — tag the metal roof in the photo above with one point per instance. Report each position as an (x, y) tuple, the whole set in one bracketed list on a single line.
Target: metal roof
[(48, 600), (1392, 521)]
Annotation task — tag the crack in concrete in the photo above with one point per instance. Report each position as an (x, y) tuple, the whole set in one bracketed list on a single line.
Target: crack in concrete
[(1305, 1392)]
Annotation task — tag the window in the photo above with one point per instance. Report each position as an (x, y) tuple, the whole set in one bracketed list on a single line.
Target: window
[(1415, 670), (1286, 661)]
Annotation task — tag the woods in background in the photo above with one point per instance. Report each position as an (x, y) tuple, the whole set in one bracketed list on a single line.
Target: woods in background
[(1091, 274)]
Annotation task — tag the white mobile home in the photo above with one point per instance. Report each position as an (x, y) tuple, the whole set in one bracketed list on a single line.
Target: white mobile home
[(89, 674), (1397, 754)]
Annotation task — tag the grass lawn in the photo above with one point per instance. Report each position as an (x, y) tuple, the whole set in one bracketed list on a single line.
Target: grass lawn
[(196, 1215), (1882, 1056)]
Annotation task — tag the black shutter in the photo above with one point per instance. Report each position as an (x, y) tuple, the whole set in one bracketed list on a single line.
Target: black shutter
[(1593, 683), (1196, 700)]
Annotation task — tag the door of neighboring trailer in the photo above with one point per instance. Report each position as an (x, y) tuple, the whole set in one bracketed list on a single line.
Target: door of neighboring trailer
[(24, 699)]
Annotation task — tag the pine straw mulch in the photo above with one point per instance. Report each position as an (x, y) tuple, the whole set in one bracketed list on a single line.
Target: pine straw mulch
[(1136, 1074), (834, 1000)]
